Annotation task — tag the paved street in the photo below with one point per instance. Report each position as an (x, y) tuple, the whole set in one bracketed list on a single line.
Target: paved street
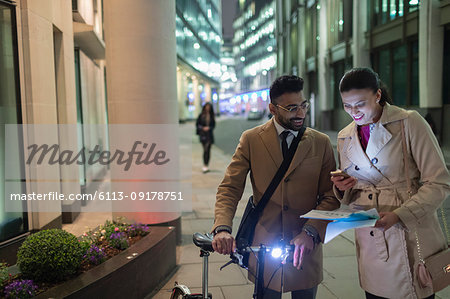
[(340, 272)]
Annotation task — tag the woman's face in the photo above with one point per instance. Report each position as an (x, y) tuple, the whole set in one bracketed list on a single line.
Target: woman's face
[(362, 105), (207, 108)]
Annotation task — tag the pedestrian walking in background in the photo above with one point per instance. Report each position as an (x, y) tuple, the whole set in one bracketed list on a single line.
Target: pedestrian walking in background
[(384, 150), (205, 125)]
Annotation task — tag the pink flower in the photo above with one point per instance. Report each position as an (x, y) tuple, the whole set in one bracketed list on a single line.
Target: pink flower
[(116, 229)]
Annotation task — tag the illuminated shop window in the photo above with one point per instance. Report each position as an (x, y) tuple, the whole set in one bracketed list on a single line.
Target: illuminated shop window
[(11, 223)]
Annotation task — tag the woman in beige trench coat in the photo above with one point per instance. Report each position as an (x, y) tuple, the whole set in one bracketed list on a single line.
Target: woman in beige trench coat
[(370, 151)]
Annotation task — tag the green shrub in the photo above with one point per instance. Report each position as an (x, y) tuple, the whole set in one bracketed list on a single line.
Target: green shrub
[(4, 275), (50, 255)]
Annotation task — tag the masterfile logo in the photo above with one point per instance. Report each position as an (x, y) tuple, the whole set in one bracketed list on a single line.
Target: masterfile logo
[(128, 151), (117, 168), (140, 153)]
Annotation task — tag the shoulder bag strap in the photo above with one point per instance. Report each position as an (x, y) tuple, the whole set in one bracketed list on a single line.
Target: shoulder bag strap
[(280, 173)]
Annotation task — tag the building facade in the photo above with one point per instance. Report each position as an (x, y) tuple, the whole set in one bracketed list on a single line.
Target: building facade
[(52, 71), (254, 49), (199, 42), (405, 41), (228, 79)]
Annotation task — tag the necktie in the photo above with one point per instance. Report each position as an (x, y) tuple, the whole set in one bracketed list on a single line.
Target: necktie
[(284, 145)]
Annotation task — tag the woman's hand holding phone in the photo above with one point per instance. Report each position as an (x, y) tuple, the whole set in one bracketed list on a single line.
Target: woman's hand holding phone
[(342, 180)]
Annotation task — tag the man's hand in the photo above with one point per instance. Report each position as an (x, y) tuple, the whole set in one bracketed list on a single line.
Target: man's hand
[(224, 243), (304, 245), (387, 219), (343, 184)]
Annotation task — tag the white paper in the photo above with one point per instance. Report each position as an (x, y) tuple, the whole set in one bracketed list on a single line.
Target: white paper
[(336, 228), (327, 215), (343, 219)]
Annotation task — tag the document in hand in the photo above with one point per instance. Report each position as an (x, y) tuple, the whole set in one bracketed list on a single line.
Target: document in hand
[(343, 219)]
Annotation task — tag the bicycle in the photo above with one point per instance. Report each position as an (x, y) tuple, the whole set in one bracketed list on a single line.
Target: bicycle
[(204, 242)]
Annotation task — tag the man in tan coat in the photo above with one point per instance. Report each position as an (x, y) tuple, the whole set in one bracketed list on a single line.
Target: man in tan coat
[(305, 186)]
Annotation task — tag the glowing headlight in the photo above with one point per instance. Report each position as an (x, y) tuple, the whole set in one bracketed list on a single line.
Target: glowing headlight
[(276, 252)]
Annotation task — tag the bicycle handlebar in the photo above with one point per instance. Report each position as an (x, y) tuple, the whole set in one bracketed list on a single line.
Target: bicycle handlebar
[(204, 242), (255, 249)]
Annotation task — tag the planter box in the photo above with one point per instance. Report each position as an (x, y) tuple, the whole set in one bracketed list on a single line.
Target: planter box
[(134, 273)]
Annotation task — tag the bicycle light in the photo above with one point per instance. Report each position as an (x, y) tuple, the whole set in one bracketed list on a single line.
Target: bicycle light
[(276, 252), (281, 251)]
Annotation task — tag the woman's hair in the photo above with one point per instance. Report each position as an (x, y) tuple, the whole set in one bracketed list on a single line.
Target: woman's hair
[(211, 110), (362, 78)]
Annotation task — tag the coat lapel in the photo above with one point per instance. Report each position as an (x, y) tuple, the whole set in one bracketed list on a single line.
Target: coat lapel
[(379, 137), (354, 150), (302, 151), (271, 143)]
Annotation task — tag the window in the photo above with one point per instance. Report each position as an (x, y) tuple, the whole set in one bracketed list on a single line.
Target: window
[(383, 11), (294, 43), (11, 223), (311, 31), (415, 73), (399, 75), (413, 5), (82, 167), (384, 67), (397, 66), (198, 37), (339, 68), (446, 70), (339, 21)]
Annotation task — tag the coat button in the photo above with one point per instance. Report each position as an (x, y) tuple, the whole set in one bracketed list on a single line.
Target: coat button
[(370, 196), (285, 207), (286, 180), (356, 167), (371, 233), (374, 161)]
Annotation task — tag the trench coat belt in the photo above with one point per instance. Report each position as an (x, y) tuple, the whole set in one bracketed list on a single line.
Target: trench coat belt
[(400, 186)]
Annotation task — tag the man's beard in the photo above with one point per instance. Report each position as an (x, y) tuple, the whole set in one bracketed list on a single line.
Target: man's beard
[(290, 125)]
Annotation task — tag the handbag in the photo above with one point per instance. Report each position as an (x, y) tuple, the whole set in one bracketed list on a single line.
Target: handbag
[(433, 271), (252, 212)]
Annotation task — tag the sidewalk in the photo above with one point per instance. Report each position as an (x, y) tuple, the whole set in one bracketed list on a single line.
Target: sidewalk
[(340, 269), (340, 272)]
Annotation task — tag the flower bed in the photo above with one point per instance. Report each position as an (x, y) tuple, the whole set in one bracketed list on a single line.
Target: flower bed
[(106, 258)]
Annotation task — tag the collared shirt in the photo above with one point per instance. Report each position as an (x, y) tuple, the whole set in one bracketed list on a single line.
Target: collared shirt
[(280, 129), (309, 229)]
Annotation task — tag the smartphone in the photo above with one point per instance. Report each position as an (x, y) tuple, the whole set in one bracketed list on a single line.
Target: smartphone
[(340, 173)]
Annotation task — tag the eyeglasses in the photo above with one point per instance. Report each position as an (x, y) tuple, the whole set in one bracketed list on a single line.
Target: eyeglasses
[(294, 108)]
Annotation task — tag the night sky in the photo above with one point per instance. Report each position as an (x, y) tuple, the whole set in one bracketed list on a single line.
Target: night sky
[(228, 13)]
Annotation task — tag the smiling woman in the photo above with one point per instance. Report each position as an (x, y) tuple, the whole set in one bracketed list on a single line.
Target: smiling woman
[(362, 105), (11, 224), (396, 166)]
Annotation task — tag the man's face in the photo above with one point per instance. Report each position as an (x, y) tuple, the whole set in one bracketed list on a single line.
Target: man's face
[(289, 120)]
